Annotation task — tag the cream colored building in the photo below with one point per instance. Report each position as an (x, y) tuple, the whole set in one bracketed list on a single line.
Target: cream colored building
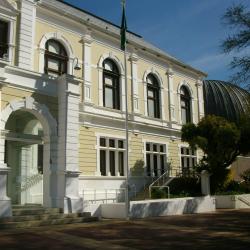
[(62, 92)]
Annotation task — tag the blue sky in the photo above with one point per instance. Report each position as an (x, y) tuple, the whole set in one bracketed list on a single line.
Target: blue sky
[(190, 30)]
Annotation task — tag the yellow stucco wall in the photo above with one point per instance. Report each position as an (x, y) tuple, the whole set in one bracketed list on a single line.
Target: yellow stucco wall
[(98, 49), (88, 152), (74, 40), (13, 94)]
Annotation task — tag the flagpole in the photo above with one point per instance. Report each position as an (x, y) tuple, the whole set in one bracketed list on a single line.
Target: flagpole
[(127, 202)]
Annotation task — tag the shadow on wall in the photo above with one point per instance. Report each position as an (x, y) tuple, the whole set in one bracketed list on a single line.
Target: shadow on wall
[(172, 207)]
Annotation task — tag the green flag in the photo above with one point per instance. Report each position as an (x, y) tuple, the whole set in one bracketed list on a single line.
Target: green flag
[(123, 27)]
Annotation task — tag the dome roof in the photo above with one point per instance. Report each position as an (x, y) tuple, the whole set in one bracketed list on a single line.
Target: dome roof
[(224, 99)]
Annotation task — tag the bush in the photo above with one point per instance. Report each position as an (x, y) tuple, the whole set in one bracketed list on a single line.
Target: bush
[(185, 186), (158, 193), (246, 176)]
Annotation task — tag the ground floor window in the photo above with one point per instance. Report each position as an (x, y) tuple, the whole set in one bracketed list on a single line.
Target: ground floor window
[(188, 160), (156, 159), (112, 156)]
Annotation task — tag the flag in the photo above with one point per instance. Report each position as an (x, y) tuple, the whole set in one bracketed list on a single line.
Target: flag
[(123, 27)]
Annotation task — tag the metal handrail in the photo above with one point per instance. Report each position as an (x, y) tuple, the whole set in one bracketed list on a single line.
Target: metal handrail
[(105, 192), (244, 201), (164, 179), (29, 181)]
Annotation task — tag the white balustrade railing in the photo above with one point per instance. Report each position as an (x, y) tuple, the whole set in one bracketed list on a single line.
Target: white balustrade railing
[(104, 195)]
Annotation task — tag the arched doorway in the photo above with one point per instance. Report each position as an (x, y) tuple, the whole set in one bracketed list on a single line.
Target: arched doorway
[(24, 156), (29, 148)]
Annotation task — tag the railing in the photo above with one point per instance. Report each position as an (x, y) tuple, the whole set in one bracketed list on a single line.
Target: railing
[(104, 195), (28, 182), (244, 201), (164, 180)]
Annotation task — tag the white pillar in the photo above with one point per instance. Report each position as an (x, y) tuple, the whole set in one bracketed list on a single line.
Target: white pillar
[(68, 141), (5, 202), (172, 111), (205, 182), (199, 86), (87, 87), (26, 39), (135, 89)]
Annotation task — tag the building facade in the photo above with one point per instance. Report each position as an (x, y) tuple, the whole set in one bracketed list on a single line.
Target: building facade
[(62, 95)]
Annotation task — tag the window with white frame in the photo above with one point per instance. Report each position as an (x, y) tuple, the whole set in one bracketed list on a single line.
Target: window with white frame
[(188, 160), (4, 26), (56, 58), (153, 96), (112, 156), (185, 105), (111, 86), (156, 158)]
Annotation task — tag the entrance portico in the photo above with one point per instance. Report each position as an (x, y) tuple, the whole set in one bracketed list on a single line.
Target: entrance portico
[(29, 139)]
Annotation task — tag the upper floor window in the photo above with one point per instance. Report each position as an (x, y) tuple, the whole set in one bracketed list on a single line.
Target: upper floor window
[(111, 86), (153, 96), (56, 58), (3, 39), (185, 105)]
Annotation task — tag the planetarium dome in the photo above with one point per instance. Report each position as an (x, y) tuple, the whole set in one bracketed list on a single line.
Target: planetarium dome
[(224, 99)]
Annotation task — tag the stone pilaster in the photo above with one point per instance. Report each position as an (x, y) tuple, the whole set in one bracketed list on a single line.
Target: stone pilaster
[(26, 38), (87, 87), (135, 90), (199, 86), (68, 142), (172, 111), (5, 202)]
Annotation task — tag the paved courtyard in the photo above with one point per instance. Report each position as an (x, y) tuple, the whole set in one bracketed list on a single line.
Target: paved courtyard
[(220, 230)]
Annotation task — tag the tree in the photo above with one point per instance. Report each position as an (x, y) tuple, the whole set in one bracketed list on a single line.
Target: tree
[(238, 18), (221, 141)]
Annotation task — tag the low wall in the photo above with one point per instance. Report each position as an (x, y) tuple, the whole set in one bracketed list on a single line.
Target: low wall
[(233, 201), (189, 205), (150, 208)]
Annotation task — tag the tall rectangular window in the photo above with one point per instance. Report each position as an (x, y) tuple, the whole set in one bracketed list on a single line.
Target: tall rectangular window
[(112, 156), (3, 39), (156, 159), (188, 160)]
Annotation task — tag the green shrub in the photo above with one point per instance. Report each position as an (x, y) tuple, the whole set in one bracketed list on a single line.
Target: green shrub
[(246, 176), (185, 186)]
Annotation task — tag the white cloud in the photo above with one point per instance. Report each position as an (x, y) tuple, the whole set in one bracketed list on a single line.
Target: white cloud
[(213, 62)]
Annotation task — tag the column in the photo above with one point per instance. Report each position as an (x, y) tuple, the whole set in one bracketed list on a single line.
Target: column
[(87, 88), (172, 111), (68, 142), (27, 34), (200, 103), (135, 96), (5, 202)]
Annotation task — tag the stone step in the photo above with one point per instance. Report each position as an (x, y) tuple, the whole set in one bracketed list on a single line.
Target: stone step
[(35, 211), (44, 217), (46, 222), (27, 205)]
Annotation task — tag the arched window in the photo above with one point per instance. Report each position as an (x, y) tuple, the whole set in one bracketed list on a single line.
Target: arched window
[(56, 58), (185, 105), (153, 96), (111, 86)]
